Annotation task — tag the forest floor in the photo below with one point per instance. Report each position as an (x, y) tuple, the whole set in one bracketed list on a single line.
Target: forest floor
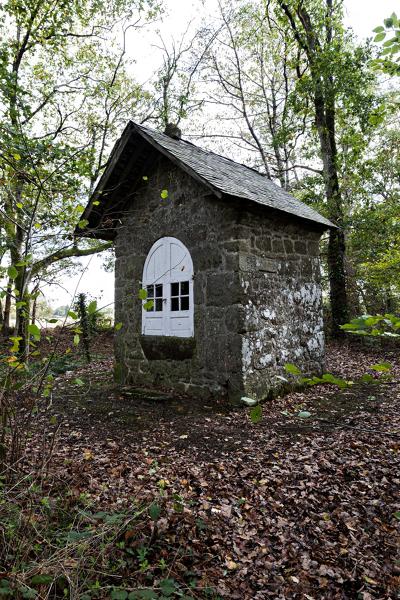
[(288, 507)]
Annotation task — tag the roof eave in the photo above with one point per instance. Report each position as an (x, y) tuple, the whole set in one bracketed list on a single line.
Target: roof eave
[(324, 225), (115, 155)]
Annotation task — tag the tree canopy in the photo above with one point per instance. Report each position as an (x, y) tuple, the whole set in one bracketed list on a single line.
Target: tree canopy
[(284, 83)]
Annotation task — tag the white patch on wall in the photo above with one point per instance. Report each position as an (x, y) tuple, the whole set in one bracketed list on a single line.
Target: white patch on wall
[(246, 354), (265, 360), (313, 344), (268, 314), (283, 324), (245, 285)]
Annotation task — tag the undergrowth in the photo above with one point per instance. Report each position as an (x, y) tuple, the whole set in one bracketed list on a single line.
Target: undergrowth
[(55, 544)]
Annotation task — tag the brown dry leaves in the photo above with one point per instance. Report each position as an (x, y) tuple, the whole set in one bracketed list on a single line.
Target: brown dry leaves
[(286, 508)]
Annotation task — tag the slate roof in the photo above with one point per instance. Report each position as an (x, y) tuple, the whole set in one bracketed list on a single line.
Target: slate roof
[(222, 175), (233, 178)]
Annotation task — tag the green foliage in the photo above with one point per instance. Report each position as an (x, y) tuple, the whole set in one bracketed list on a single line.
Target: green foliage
[(41, 579), (57, 125), (327, 378), (154, 511), (387, 325), (340, 78), (168, 586), (384, 367), (374, 225), (96, 550), (375, 325), (148, 305), (292, 369), (12, 272), (256, 414), (34, 331), (15, 344), (389, 56), (95, 317), (92, 307)]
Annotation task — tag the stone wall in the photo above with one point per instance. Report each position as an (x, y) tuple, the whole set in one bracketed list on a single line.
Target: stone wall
[(280, 276), (206, 226), (256, 290)]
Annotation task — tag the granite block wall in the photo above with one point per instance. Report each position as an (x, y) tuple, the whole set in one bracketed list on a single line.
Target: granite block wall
[(257, 291), (280, 276), (205, 226)]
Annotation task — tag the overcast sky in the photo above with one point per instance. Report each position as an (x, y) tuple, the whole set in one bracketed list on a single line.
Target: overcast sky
[(362, 15)]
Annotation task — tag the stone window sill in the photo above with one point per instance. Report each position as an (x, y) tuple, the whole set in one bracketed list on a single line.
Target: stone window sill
[(157, 347)]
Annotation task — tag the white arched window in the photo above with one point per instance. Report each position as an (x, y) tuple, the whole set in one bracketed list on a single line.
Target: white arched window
[(168, 279)]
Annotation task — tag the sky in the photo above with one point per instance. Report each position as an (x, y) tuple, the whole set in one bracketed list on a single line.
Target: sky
[(364, 15), (361, 15)]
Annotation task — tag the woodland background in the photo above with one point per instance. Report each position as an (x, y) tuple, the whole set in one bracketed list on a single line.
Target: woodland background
[(115, 493), (283, 86)]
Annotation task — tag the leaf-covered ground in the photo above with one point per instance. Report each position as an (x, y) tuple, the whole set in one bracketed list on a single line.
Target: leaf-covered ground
[(285, 508)]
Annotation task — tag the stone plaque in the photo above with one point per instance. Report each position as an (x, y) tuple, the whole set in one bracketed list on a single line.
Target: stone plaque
[(248, 262)]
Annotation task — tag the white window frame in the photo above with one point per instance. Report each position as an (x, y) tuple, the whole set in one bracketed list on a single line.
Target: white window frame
[(179, 323)]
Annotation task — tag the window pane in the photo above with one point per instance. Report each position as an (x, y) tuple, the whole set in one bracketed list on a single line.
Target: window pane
[(159, 304), (185, 303), (150, 291), (174, 303), (159, 290), (184, 288), (174, 289)]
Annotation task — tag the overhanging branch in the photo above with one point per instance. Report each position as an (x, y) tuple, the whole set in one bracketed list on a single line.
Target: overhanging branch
[(69, 252)]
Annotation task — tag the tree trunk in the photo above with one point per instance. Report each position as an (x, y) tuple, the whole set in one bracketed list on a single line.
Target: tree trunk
[(336, 245), (7, 308), (33, 315), (324, 106), (22, 313), (390, 302), (354, 293), (21, 329), (83, 315), (337, 280)]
